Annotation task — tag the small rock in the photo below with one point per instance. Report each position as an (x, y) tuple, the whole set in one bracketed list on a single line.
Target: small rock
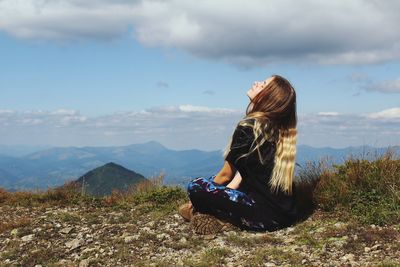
[(269, 264), (162, 236), (87, 250), (339, 243), (150, 224), (339, 224), (65, 262), (66, 230), (84, 263), (376, 247), (131, 238), (367, 249), (125, 234), (75, 243), (349, 257), (38, 265), (145, 229), (288, 230), (230, 233), (183, 240), (304, 261), (27, 238), (209, 237)]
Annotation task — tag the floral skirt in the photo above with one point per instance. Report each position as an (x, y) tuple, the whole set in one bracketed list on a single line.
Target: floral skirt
[(233, 205)]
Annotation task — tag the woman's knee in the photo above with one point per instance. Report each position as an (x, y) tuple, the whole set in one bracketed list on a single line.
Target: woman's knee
[(197, 184)]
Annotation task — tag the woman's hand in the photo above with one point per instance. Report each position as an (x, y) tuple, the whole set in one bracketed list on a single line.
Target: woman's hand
[(235, 183)]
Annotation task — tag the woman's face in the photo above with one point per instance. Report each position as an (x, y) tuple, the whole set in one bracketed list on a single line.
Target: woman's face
[(257, 87)]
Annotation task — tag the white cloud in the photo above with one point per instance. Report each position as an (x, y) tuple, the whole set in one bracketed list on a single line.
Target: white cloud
[(245, 33), (65, 20), (70, 112), (191, 108), (329, 113), (6, 111), (391, 113), (388, 86), (188, 126)]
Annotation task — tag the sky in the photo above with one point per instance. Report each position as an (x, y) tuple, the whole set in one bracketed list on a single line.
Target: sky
[(113, 73)]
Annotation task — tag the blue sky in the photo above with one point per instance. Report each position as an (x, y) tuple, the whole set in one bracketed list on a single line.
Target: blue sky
[(122, 72)]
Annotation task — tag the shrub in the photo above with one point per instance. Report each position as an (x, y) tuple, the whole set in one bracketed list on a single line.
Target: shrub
[(369, 189), (305, 183), (151, 191), (69, 193)]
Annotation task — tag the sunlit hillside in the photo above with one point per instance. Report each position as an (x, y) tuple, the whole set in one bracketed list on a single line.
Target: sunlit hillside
[(351, 216)]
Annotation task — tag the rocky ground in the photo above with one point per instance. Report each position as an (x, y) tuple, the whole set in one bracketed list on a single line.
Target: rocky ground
[(89, 235)]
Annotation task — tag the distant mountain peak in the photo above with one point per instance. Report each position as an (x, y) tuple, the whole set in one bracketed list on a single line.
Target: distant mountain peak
[(102, 180), (149, 147), (154, 144), (112, 164)]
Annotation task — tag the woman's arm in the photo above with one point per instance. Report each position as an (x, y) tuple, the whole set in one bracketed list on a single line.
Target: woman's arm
[(234, 184), (226, 174)]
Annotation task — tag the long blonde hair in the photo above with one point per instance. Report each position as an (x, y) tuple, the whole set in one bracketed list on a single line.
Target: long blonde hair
[(272, 116)]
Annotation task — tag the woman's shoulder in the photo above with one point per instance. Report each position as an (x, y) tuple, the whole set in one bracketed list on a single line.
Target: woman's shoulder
[(246, 122), (245, 128)]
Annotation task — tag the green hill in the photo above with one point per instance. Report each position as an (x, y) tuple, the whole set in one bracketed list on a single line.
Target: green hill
[(102, 180)]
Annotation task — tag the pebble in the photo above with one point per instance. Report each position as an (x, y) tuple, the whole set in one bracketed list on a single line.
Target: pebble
[(150, 224), (66, 230), (376, 247), (75, 243), (146, 229), (339, 224), (131, 238), (27, 238), (163, 236), (84, 263), (348, 257)]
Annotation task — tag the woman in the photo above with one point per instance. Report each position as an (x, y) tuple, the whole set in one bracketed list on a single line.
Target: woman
[(254, 189)]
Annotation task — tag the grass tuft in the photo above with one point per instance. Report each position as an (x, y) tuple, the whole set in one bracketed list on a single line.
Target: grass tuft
[(368, 189)]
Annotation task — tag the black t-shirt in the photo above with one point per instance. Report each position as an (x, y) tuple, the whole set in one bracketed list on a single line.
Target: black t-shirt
[(255, 176)]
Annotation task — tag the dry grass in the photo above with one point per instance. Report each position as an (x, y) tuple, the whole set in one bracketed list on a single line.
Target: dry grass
[(149, 185), (66, 194), (20, 222), (151, 192), (368, 189)]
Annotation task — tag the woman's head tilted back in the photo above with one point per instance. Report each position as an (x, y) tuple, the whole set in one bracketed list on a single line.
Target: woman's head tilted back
[(275, 102), (273, 109)]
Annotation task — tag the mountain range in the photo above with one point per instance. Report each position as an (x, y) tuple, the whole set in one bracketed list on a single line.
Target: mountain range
[(53, 166)]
